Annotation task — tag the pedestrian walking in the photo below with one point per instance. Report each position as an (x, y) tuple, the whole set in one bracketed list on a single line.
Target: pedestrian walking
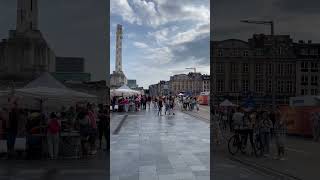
[(113, 103), (265, 129), (54, 126), (171, 101), (280, 133), (149, 102), (84, 124), (93, 129), (167, 105), (160, 105), (12, 129), (103, 125)]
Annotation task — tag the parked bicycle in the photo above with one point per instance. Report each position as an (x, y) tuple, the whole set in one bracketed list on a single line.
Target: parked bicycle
[(239, 142)]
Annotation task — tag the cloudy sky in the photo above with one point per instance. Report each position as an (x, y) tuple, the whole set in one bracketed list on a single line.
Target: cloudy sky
[(161, 37), (71, 27), (300, 19)]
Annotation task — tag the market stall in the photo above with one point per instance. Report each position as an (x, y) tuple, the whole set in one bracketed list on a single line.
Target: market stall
[(39, 98)]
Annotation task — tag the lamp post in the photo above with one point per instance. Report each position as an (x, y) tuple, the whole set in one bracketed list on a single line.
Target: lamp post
[(271, 24)]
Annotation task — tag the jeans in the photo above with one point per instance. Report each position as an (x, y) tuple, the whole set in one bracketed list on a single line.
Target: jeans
[(11, 140), (53, 145), (265, 138), (126, 107)]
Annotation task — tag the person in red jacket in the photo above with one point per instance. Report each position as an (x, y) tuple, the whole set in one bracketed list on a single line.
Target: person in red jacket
[(54, 127)]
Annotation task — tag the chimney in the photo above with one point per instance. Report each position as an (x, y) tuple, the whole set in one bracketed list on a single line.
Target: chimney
[(301, 41)]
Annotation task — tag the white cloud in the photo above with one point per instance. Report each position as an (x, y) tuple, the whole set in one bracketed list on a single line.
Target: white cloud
[(159, 12), (191, 34), (122, 8), (140, 45)]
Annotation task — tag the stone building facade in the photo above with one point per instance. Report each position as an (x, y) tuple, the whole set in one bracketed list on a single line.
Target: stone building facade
[(191, 84), (25, 53), (243, 68)]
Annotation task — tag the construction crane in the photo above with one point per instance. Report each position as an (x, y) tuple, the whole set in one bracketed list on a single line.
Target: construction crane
[(194, 69), (270, 23)]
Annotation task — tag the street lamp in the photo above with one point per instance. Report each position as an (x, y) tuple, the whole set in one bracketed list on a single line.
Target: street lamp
[(271, 24)]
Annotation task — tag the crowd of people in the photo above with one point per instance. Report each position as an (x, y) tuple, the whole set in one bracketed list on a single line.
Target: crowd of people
[(33, 125), (131, 103), (267, 124), (189, 103), (167, 103)]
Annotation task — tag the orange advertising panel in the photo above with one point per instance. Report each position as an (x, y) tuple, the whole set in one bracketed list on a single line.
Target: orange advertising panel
[(203, 99), (299, 119)]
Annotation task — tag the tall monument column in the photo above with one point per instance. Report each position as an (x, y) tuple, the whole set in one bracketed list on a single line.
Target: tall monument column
[(119, 49), (27, 15)]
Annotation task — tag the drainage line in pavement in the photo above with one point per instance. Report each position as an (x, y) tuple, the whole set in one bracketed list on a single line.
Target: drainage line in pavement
[(265, 169), (117, 130), (199, 117)]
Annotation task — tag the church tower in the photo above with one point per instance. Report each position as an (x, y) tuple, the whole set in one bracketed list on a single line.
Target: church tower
[(119, 49), (27, 15)]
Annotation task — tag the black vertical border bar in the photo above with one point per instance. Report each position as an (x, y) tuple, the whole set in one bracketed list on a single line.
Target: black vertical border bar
[(107, 56), (211, 91)]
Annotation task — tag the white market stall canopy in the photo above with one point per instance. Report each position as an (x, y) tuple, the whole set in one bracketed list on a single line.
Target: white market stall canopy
[(51, 92), (302, 101), (123, 91), (227, 103)]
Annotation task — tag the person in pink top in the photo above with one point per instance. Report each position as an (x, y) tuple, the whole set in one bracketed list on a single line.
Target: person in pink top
[(93, 129)]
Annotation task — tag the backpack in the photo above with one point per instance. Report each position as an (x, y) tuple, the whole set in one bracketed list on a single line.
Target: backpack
[(53, 126)]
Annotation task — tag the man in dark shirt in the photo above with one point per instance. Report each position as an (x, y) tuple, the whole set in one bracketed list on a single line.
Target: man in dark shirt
[(12, 129), (103, 125)]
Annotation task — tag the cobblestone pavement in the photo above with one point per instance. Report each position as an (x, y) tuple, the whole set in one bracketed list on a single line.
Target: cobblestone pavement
[(82, 169), (160, 147)]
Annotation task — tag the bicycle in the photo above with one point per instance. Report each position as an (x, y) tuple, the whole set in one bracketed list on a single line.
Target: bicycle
[(236, 143)]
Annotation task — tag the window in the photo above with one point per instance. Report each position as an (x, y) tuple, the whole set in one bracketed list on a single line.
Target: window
[(314, 91), (245, 67), (314, 67), (269, 69), (269, 86), (281, 69), (313, 52), (220, 85), (304, 91), (259, 52), (290, 69), (258, 68), (280, 86), (314, 80), (234, 68), (259, 85), (304, 80), (235, 52), (245, 85), (234, 85), (220, 53), (246, 53), (304, 66), (220, 68), (280, 51), (289, 87), (304, 51)]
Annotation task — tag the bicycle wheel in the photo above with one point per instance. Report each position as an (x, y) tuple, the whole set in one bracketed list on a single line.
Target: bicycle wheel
[(233, 145)]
